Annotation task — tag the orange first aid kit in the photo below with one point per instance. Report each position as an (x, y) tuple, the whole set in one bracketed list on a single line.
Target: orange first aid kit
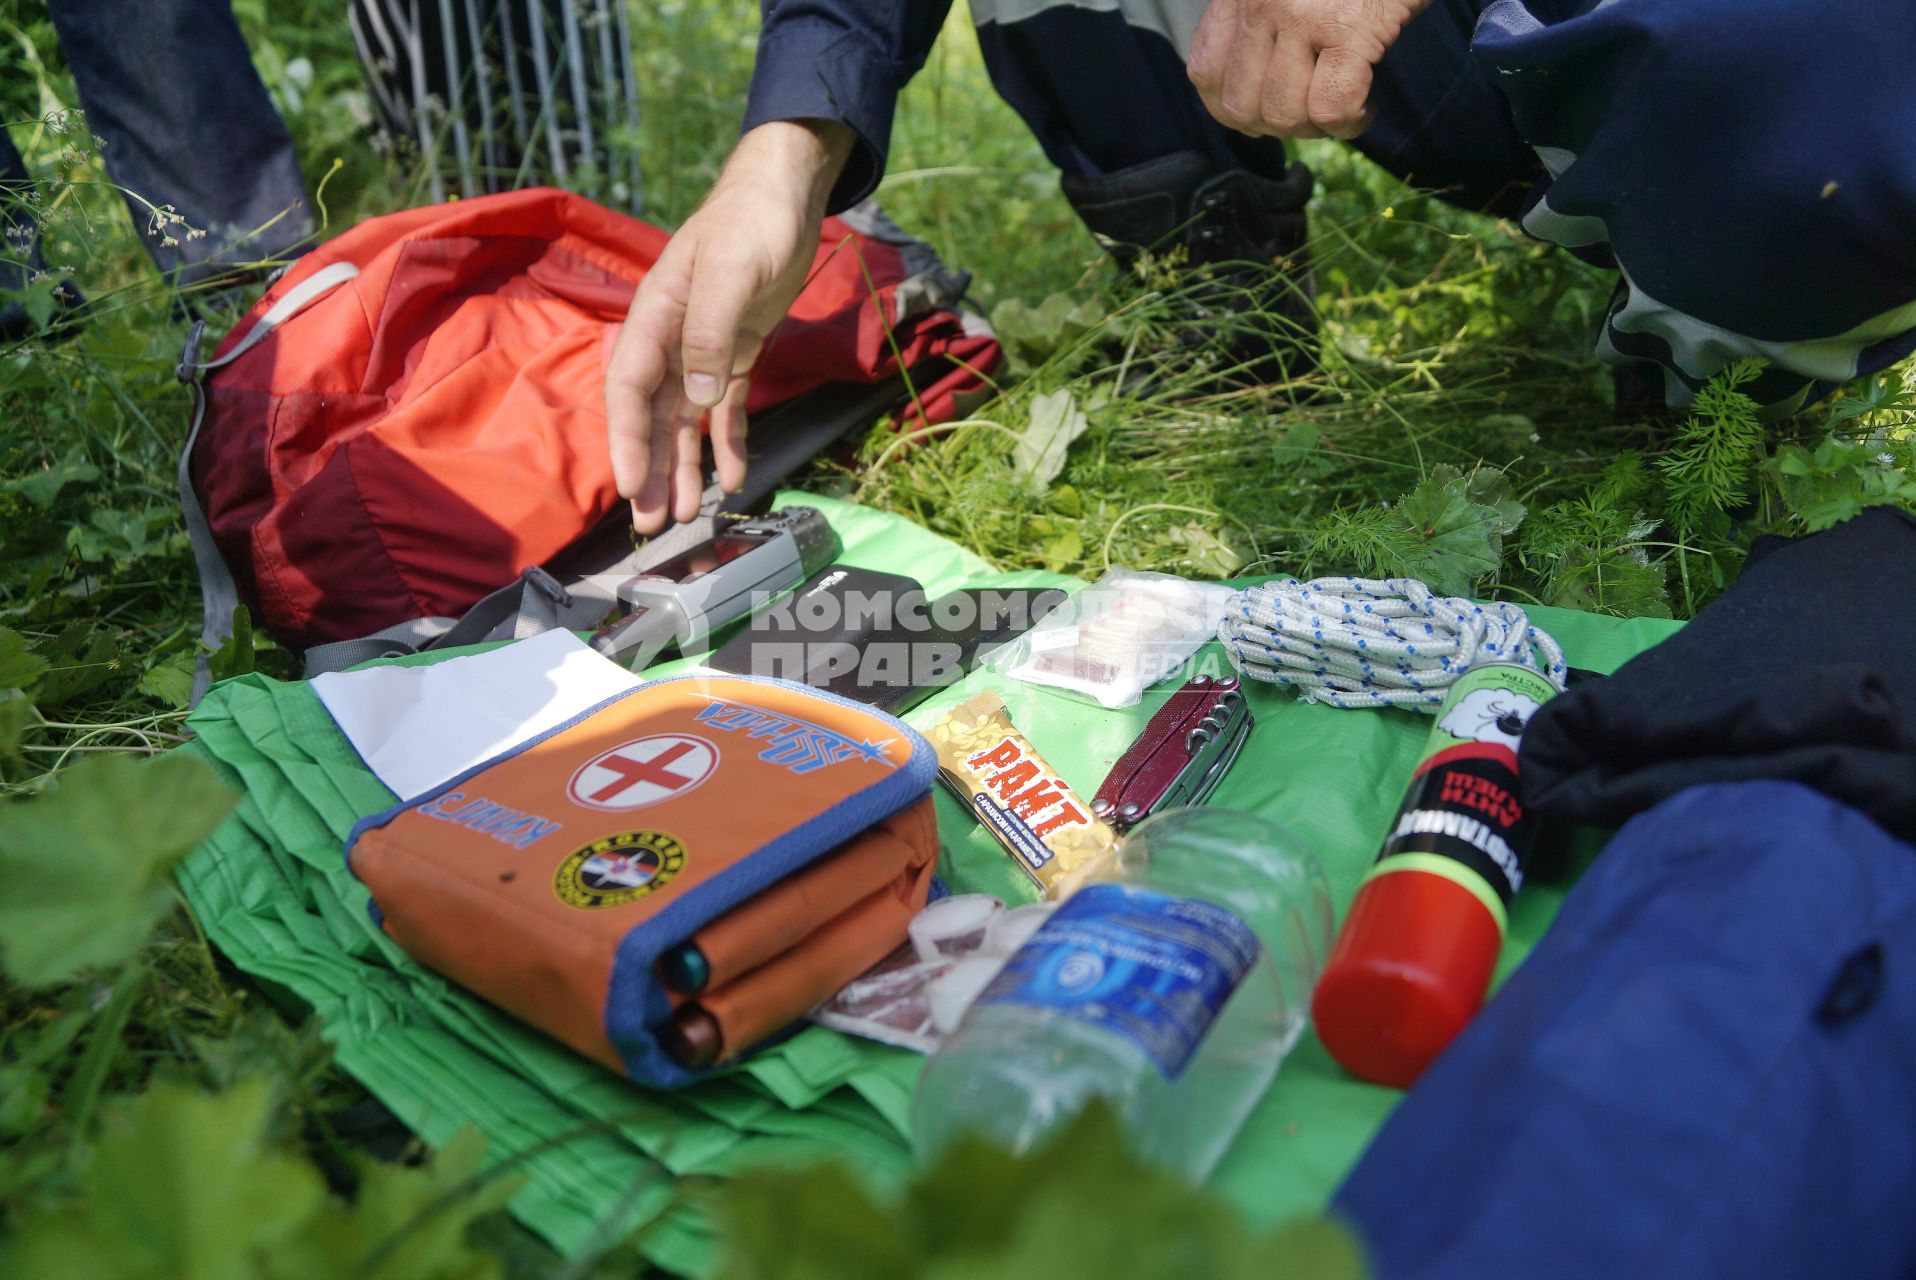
[(786, 834)]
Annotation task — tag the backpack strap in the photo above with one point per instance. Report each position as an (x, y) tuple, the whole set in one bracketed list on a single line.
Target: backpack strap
[(533, 603), (785, 438), (219, 594)]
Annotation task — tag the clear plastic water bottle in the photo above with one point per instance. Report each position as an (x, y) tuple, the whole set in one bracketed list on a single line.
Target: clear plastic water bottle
[(1173, 991)]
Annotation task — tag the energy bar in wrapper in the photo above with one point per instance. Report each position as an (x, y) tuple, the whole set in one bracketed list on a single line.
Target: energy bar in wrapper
[(1047, 827)]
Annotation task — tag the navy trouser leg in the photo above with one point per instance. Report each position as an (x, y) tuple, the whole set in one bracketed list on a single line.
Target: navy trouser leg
[(1440, 123), (170, 86), (1749, 169), (1106, 90)]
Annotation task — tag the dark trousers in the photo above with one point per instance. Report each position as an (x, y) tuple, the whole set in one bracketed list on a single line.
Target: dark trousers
[(1750, 170), (1106, 89), (189, 132), (1702, 1069)]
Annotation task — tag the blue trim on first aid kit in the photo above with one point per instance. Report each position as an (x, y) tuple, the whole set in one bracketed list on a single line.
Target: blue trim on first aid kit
[(635, 1000)]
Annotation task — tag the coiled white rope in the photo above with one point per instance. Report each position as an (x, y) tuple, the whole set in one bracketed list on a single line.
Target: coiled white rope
[(1375, 642)]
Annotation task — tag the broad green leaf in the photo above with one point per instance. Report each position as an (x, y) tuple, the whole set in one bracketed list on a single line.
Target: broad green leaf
[(39, 299), (1203, 553), (1320, 1248), (1881, 394), (1838, 481), (19, 667), (1033, 334), (81, 658), (170, 683), (85, 863), (1082, 1207), (812, 1224), (970, 1200), (43, 487), (1458, 524), (235, 656), (1085, 1207), (1063, 552), (404, 1222), (23, 1099), (64, 1243), (184, 1185), (1297, 447), (1055, 422)]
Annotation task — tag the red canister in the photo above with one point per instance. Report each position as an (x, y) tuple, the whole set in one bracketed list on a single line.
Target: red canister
[(1421, 940)]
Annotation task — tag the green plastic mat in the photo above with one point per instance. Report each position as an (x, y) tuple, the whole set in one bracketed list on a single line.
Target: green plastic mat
[(601, 1156)]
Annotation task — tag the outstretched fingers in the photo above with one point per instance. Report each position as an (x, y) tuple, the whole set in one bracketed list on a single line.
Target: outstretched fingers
[(728, 435), (637, 380), (723, 291)]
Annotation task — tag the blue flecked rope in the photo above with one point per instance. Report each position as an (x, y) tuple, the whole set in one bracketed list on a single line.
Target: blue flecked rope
[(1375, 642)]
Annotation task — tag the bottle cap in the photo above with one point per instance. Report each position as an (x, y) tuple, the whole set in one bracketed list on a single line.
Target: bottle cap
[(1409, 968)]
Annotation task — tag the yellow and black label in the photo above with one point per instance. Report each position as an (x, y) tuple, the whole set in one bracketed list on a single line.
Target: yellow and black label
[(618, 869)]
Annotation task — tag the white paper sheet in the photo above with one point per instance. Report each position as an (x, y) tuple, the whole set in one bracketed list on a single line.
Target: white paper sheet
[(417, 727)]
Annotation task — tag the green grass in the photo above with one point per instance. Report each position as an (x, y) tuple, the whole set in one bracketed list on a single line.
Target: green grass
[(1456, 387)]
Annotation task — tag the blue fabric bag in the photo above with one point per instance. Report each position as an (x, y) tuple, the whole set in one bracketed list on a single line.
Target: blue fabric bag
[(1707, 1067)]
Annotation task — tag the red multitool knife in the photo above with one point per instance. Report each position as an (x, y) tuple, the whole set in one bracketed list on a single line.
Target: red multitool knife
[(1183, 751)]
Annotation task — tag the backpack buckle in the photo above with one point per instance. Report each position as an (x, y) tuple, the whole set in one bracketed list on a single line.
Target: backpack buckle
[(536, 577), (188, 369)]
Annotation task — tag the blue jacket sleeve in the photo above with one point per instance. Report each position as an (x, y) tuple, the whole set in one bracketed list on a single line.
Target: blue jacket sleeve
[(845, 61)]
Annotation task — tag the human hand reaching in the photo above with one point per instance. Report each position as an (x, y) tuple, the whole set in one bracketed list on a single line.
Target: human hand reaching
[(703, 312), (1293, 68)]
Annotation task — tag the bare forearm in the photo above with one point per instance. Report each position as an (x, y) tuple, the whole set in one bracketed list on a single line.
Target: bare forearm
[(791, 162)]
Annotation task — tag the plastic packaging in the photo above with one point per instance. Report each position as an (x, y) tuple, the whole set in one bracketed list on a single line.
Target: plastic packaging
[(916, 996), (1046, 827), (1117, 637), (1014, 928), (1421, 939), (1174, 993), (953, 926), (890, 1003)]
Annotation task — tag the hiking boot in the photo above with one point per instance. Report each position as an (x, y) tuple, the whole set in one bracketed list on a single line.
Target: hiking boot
[(1237, 235)]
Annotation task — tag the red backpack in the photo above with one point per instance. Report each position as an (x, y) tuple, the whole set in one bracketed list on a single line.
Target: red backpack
[(410, 419)]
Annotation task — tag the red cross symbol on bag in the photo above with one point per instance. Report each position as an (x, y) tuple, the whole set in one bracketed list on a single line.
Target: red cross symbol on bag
[(643, 771)]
